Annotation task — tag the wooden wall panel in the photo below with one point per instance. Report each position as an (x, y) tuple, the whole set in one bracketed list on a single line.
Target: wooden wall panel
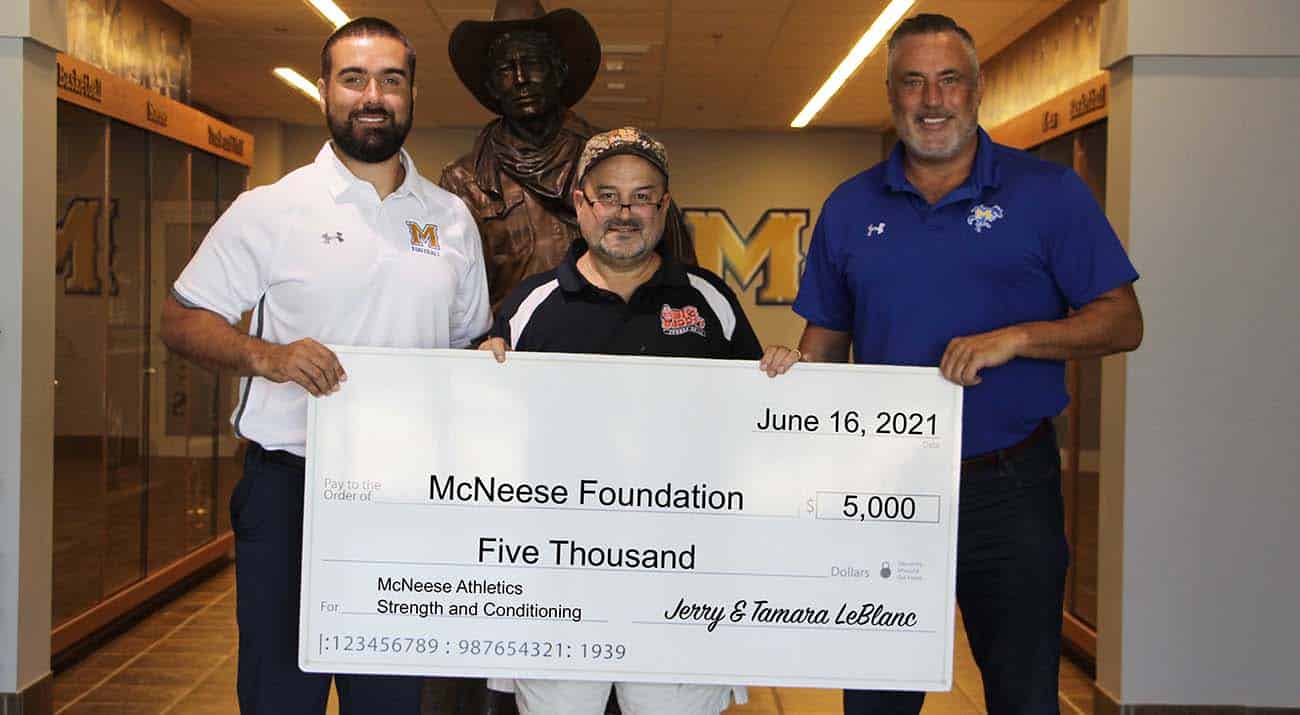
[(89, 86), (1073, 109)]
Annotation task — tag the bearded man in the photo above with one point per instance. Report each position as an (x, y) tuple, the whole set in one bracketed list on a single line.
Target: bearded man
[(355, 248), (996, 267)]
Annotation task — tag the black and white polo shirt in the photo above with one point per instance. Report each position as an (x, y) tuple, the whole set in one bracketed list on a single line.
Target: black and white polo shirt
[(682, 311)]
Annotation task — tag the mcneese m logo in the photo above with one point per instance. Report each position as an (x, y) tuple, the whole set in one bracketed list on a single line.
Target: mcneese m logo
[(424, 238), (771, 250)]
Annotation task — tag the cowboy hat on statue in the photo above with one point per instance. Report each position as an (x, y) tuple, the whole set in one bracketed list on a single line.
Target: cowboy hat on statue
[(529, 66)]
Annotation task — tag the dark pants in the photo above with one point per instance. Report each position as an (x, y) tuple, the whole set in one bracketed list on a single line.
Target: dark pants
[(266, 515), (1011, 561)]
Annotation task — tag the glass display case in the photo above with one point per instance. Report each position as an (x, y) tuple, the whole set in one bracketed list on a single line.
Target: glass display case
[(144, 456), (1079, 427)]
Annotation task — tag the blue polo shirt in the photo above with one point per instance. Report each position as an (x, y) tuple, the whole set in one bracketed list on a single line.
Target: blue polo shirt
[(1021, 240)]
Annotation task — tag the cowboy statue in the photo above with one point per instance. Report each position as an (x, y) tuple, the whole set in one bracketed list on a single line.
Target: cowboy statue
[(529, 67)]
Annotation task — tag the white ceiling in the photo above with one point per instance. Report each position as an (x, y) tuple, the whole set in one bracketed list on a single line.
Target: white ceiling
[(703, 64)]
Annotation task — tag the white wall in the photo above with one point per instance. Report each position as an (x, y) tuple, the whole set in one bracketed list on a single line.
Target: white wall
[(27, 182), (1246, 28), (1212, 542), (268, 150), (1200, 522), (41, 20), (745, 173)]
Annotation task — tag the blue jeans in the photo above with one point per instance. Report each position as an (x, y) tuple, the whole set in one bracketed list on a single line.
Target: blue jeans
[(1011, 561), (266, 516)]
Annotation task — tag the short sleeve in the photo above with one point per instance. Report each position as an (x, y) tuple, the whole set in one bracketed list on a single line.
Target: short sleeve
[(232, 268), (823, 298), (744, 341), (1084, 255), (471, 312), (500, 328)]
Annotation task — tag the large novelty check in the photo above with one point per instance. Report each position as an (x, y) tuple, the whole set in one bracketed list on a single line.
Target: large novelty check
[(634, 519)]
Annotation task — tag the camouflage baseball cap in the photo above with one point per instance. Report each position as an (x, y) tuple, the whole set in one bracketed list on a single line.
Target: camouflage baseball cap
[(628, 140)]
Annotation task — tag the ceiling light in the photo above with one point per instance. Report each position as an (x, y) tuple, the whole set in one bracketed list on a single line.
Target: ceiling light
[(616, 85), (618, 100), (298, 82), (330, 12), (635, 49), (872, 37), (613, 65)]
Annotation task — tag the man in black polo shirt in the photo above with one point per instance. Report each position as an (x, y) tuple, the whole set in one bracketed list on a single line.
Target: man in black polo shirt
[(617, 293)]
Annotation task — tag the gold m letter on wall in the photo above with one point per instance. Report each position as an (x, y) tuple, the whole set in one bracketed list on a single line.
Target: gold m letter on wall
[(771, 248)]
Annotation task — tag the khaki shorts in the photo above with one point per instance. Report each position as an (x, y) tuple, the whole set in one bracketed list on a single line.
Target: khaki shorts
[(576, 697)]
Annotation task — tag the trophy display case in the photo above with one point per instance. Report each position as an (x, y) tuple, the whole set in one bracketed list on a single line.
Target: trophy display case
[(144, 455)]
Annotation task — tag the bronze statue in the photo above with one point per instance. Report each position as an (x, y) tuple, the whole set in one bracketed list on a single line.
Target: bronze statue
[(529, 67)]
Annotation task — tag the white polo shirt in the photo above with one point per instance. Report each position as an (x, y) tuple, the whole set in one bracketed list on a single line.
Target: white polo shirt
[(318, 254)]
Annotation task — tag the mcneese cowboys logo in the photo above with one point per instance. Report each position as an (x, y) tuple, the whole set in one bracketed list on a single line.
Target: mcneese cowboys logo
[(424, 238), (982, 217), (678, 321)]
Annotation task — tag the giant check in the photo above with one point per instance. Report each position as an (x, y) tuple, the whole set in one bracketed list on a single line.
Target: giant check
[(634, 519)]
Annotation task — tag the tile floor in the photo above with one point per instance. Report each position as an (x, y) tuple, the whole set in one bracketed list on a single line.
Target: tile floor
[(181, 660)]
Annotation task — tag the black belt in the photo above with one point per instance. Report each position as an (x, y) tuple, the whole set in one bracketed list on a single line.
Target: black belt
[(277, 456), (997, 456)]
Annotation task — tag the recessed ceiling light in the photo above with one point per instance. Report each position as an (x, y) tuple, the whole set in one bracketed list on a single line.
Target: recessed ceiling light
[(616, 85), (613, 65), (619, 100), (291, 77), (624, 49), (331, 12), (865, 46)]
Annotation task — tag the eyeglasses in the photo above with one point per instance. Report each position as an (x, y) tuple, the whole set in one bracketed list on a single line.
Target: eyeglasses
[(638, 204)]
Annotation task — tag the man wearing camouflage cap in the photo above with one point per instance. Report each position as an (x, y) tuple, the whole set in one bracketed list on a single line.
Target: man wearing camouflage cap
[(617, 292)]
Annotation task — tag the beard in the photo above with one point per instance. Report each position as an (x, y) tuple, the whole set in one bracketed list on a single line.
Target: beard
[(961, 128), (625, 248), (368, 143)]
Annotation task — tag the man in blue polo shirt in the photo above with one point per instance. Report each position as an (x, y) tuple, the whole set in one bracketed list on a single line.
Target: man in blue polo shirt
[(996, 267)]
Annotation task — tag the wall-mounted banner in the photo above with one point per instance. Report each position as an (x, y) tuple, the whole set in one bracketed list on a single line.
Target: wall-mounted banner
[(633, 519)]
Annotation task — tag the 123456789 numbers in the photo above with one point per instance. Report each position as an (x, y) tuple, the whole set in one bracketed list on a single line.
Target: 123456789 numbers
[(482, 647)]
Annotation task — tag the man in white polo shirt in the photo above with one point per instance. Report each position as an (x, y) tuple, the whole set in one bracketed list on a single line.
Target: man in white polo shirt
[(354, 249)]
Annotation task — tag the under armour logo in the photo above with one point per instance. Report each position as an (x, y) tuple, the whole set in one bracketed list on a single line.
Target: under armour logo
[(327, 238), (876, 230)]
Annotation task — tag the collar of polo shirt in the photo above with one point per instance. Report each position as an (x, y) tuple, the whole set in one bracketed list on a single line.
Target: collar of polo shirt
[(984, 173), (342, 181)]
